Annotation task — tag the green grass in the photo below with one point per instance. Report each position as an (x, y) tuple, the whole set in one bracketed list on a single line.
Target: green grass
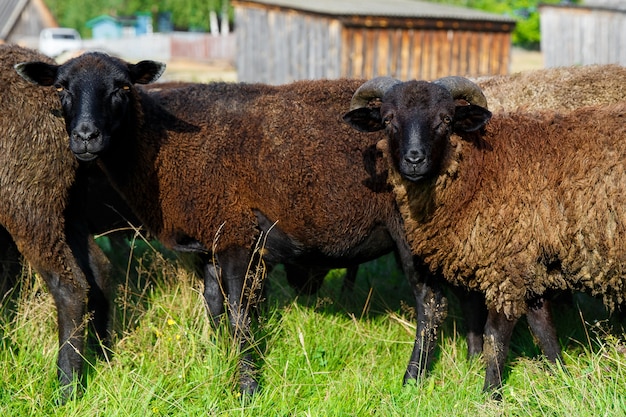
[(325, 355)]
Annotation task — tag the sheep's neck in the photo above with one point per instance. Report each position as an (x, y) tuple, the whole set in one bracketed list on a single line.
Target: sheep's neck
[(421, 199), (131, 167), (422, 203)]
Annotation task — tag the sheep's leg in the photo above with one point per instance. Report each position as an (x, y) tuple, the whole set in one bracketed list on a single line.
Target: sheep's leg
[(539, 318), (431, 306), (96, 267), (99, 303), (70, 296), (350, 279), (431, 309), (213, 292), (498, 331), (475, 314), (61, 270), (240, 299)]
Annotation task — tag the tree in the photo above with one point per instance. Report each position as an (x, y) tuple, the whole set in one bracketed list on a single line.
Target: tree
[(186, 14), (525, 12)]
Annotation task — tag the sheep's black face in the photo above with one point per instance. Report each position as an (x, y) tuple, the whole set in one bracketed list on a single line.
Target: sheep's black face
[(96, 94), (417, 117), (94, 105)]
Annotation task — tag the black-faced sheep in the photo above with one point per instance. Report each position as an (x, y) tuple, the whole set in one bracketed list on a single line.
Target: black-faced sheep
[(515, 207), (40, 209), (215, 168)]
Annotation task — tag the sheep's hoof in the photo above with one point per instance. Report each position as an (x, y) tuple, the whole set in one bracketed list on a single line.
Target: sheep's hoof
[(494, 389), (69, 392), (413, 373), (249, 386)]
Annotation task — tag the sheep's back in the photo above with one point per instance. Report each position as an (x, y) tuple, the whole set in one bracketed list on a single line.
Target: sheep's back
[(283, 151), (560, 88)]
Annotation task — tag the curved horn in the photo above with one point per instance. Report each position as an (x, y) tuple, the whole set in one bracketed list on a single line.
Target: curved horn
[(461, 87), (370, 90)]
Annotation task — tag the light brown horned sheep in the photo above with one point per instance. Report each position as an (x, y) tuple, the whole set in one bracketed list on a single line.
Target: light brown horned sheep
[(513, 207)]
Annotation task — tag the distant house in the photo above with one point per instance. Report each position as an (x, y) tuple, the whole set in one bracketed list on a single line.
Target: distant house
[(591, 33), (108, 27), (21, 21), (279, 41), (105, 27)]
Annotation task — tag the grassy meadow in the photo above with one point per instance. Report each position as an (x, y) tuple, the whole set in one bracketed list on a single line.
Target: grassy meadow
[(324, 355)]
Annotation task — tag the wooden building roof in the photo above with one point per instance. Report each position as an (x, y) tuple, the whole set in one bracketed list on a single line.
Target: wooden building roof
[(386, 8), (20, 19)]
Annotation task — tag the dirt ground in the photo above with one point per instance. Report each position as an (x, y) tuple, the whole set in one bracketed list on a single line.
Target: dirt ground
[(193, 71), (522, 60)]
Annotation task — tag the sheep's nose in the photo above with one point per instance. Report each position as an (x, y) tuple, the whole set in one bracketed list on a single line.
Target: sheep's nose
[(414, 157), (86, 132)]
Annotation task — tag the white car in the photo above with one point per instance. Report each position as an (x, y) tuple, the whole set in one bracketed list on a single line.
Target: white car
[(55, 41)]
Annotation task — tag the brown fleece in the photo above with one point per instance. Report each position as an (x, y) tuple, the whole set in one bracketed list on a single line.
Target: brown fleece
[(37, 167), (556, 88), (237, 148)]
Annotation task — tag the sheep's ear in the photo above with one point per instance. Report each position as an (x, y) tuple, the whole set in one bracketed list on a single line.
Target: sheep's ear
[(364, 119), (470, 118), (37, 72), (145, 72)]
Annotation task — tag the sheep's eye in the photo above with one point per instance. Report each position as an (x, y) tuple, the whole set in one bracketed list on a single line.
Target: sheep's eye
[(60, 88), (122, 89), (447, 120), (388, 120)]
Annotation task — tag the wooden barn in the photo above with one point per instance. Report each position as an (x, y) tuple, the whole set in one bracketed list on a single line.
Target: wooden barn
[(279, 41), (22, 20), (592, 33)]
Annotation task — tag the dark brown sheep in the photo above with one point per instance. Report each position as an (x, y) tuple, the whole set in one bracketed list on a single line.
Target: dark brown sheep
[(40, 209), (218, 168), (527, 203), (49, 211)]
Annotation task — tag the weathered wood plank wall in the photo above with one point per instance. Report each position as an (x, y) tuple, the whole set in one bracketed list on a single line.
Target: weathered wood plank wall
[(280, 47), (423, 53), (582, 36), (277, 45)]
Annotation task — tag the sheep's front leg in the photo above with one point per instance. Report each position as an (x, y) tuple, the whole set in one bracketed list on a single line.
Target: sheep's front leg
[(241, 283), (99, 299), (213, 291), (431, 307), (70, 297), (95, 267), (539, 318), (498, 331)]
